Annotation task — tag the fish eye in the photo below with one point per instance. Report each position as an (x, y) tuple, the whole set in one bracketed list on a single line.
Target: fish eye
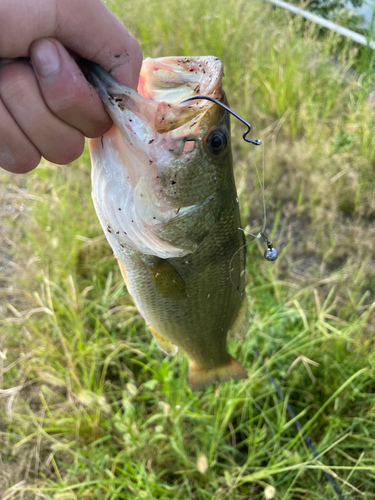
[(217, 141)]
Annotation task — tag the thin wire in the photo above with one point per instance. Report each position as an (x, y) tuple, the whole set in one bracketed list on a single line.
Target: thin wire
[(280, 395), (264, 198), (261, 184), (260, 234)]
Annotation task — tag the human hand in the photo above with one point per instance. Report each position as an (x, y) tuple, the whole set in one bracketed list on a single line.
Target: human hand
[(46, 105)]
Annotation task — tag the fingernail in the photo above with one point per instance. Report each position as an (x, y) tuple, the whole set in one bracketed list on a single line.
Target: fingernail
[(46, 59)]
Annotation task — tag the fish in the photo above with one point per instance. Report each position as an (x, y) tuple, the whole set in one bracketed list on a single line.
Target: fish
[(164, 192)]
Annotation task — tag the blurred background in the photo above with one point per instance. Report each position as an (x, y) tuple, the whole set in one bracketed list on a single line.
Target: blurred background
[(89, 407)]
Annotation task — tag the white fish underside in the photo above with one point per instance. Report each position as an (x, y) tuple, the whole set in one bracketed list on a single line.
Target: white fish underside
[(127, 162)]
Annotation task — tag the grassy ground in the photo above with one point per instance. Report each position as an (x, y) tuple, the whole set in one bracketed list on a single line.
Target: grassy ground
[(90, 408)]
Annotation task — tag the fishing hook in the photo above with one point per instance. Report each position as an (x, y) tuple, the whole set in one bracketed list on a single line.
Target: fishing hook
[(271, 254), (256, 142)]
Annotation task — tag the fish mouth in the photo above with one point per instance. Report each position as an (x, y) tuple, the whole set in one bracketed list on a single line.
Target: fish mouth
[(173, 79), (163, 84)]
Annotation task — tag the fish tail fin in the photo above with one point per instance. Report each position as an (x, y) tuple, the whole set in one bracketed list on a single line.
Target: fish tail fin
[(199, 378)]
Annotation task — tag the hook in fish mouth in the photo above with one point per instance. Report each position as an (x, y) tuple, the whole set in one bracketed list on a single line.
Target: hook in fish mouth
[(256, 142)]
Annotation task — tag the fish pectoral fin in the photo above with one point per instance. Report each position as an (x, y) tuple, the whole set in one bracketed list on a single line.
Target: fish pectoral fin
[(167, 280), (123, 273), (240, 323), (199, 378), (163, 344), (191, 225)]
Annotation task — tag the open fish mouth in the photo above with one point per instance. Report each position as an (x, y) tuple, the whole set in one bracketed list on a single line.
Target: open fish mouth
[(163, 83), (173, 79), (154, 135)]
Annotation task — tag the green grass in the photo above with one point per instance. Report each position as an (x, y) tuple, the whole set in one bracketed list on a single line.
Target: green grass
[(90, 408)]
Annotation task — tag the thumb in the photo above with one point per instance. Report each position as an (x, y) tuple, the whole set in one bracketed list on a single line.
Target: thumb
[(86, 27), (92, 31)]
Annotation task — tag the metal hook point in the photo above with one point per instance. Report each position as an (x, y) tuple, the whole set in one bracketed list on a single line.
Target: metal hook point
[(256, 142)]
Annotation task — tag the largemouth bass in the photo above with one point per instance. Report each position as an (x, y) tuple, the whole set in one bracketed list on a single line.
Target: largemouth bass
[(164, 192)]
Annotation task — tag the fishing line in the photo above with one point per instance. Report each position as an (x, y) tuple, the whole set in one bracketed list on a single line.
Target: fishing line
[(271, 254), (298, 424), (261, 183), (261, 232)]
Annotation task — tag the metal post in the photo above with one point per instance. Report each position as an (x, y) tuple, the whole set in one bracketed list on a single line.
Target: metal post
[(356, 37)]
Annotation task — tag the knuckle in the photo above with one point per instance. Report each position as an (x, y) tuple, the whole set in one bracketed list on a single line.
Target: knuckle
[(76, 149), (72, 108)]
